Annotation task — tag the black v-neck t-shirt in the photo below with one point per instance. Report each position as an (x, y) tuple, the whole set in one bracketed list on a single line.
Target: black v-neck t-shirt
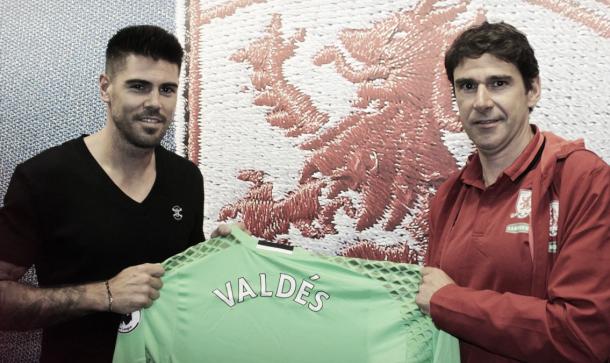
[(64, 214)]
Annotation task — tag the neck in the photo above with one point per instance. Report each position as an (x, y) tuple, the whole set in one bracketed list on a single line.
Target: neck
[(117, 156), (495, 162)]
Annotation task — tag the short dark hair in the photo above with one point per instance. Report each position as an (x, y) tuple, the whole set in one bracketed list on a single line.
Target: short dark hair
[(501, 40), (145, 40)]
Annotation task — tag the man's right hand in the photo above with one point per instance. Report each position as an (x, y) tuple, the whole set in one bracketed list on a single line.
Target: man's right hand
[(135, 287), (24, 307)]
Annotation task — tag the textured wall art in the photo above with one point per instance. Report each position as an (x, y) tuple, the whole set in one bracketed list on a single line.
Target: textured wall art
[(329, 124)]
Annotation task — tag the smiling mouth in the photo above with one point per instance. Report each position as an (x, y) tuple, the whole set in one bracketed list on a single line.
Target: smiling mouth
[(151, 120), (486, 122)]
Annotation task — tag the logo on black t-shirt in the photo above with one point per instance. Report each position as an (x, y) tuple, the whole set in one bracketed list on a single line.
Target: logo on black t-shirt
[(177, 209)]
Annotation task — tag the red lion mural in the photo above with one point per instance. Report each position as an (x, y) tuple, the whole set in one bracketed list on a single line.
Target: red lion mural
[(382, 162), (392, 156)]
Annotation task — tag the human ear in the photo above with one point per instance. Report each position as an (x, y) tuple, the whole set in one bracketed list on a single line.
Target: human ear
[(104, 84), (533, 95)]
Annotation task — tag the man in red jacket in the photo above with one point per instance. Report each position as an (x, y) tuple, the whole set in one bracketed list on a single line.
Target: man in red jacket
[(519, 245)]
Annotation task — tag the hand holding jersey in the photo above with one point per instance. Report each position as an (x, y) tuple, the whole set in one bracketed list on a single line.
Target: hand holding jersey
[(224, 229), (432, 280), (135, 287)]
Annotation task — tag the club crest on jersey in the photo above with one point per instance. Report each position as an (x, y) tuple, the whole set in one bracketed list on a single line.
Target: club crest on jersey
[(129, 322), (287, 287), (523, 207)]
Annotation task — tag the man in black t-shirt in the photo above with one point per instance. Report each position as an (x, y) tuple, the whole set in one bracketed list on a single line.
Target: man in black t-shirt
[(97, 214)]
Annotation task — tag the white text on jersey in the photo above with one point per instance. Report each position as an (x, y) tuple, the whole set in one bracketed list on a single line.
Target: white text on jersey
[(286, 288)]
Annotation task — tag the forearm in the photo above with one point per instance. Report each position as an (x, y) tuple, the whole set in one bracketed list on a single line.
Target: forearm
[(516, 326), (24, 307)]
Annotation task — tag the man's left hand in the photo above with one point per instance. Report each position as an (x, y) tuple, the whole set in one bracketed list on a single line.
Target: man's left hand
[(432, 280), (224, 229)]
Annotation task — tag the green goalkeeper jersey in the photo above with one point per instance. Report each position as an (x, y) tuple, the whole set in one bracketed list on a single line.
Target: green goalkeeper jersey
[(233, 299)]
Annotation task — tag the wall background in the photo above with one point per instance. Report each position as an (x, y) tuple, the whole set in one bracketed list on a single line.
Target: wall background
[(51, 54), (330, 123)]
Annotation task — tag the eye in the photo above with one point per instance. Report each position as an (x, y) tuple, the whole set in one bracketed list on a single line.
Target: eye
[(499, 83), (137, 87), (167, 90), (467, 86)]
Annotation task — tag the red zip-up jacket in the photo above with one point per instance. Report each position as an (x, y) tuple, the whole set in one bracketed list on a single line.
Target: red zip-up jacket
[(560, 311)]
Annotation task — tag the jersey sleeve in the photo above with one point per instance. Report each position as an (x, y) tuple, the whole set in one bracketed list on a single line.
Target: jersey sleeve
[(445, 348), (19, 222), (130, 346), (149, 335), (571, 325)]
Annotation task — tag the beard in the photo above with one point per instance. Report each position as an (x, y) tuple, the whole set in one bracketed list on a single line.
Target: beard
[(142, 137)]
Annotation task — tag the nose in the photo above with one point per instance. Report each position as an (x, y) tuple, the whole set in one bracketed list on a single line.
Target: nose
[(153, 100), (483, 101)]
